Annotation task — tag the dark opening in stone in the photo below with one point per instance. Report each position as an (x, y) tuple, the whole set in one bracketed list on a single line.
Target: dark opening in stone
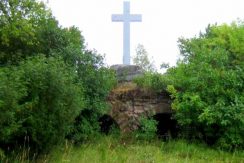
[(107, 124), (166, 127)]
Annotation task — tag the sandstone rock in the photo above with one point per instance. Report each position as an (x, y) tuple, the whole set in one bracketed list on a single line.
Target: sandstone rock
[(129, 103)]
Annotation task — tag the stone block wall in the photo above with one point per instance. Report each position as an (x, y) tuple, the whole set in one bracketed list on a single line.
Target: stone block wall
[(129, 102)]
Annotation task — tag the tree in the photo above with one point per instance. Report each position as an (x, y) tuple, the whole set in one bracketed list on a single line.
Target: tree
[(141, 59), (51, 85), (97, 82), (39, 101), (27, 28), (208, 88)]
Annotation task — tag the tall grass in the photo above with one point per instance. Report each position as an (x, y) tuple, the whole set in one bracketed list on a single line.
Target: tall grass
[(110, 149)]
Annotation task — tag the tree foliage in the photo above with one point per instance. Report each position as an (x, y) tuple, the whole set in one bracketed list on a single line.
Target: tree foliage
[(97, 82), (147, 129), (39, 101), (208, 87), (27, 28), (141, 59), (51, 86)]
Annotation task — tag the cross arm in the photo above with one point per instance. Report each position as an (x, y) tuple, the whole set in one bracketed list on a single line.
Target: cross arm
[(117, 18)]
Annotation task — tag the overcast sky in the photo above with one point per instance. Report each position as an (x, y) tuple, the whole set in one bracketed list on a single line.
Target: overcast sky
[(163, 22)]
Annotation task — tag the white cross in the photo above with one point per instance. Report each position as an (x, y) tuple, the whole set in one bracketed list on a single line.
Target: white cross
[(126, 18)]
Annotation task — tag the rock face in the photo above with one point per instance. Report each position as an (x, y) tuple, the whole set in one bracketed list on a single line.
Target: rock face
[(129, 102), (127, 72)]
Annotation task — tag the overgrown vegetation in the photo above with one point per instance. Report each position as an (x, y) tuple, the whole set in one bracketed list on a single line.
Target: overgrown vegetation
[(153, 81), (39, 101), (110, 149), (52, 89), (208, 88), (147, 130), (51, 86)]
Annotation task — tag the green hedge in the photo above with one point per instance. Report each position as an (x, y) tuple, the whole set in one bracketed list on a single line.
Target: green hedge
[(39, 101), (208, 87)]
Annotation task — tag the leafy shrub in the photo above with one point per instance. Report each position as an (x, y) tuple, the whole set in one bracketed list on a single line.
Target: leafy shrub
[(208, 86), (2, 155), (12, 90), (153, 81), (147, 129), (39, 102), (45, 98), (97, 82)]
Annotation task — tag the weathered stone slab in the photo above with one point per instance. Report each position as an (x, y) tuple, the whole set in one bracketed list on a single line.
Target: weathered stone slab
[(127, 72)]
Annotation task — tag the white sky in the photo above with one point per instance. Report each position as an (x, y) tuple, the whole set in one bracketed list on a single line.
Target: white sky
[(163, 22)]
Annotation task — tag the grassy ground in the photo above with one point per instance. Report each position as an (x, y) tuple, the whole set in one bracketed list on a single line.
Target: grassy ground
[(108, 149)]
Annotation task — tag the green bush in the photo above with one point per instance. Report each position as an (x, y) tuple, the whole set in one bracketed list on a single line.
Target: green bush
[(39, 102), (12, 90), (2, 155), (153, 81), (97, 82), (208, 88), (60, 91), (147, 130)]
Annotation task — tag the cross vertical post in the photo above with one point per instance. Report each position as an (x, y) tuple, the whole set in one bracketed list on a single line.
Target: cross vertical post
[(126, 18)]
